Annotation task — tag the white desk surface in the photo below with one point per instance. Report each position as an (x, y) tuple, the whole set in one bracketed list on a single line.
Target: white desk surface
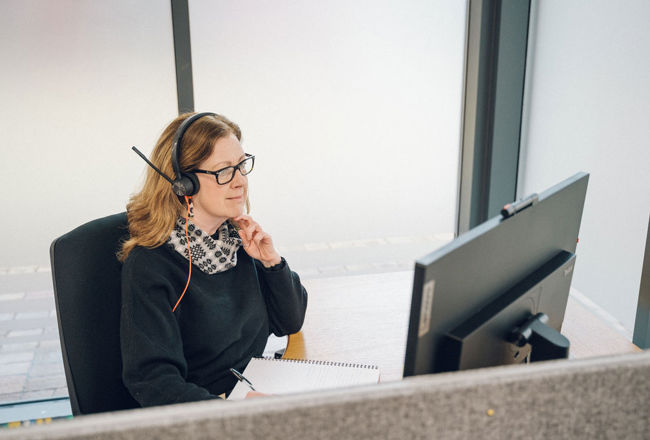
[(364, 319)]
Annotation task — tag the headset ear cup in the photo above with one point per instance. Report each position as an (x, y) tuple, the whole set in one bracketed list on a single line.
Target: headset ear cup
[(187, 185), (193, 183)]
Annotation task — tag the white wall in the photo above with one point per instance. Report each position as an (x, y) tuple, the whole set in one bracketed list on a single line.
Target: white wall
[(81, 81), (352, 108), (588, 94)]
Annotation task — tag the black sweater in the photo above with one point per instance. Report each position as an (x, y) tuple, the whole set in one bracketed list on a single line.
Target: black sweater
[(222, 321)]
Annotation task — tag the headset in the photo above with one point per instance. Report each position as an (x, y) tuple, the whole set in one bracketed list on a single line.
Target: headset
[(184, 186)]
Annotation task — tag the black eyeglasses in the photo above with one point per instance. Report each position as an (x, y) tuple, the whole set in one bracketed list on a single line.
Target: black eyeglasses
[(225, 175)]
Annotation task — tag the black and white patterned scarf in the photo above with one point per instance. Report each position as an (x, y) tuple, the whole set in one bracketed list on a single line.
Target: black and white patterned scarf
[(208, 254)]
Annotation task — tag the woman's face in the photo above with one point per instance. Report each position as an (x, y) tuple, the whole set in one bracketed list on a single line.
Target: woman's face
[(215, 203)]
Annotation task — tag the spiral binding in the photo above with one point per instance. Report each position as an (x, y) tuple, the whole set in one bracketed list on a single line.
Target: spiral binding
[(314, 362)]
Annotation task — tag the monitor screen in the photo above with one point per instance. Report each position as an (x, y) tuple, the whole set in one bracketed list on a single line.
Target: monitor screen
[(497, 293)]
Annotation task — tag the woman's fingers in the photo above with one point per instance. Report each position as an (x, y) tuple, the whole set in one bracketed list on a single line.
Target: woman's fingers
[(258, 237), (257, 242), (242, 217), (243, 220), (247, 223), (244, 237)]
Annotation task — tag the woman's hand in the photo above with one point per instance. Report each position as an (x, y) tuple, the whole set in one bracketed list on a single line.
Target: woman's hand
[(257, 243)]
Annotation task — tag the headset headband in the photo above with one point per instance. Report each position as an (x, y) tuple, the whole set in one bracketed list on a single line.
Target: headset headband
[(178, 138)]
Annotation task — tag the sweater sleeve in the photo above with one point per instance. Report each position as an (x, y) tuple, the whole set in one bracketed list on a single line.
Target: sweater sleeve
[(154, 368), (286, 298)]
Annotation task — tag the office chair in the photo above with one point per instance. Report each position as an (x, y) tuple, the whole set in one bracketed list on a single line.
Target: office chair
[(87, 291)]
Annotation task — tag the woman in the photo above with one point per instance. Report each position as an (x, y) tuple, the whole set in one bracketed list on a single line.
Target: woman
[(202, 284)]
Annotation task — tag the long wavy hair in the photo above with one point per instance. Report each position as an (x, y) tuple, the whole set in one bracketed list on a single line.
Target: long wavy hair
[(152, 212)]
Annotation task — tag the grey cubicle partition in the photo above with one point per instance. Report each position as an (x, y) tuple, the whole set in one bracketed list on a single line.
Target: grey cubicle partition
[(642, 321), (592, 398)]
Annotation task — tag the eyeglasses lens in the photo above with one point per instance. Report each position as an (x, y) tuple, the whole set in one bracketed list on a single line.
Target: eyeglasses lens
[(245, 167)]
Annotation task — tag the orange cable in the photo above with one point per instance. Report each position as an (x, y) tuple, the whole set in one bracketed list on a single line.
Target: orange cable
[(189, 251)]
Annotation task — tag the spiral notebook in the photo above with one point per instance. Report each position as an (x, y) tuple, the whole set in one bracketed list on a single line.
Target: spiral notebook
[(286, 376)]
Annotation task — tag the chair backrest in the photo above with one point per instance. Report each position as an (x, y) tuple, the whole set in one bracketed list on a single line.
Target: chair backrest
[(87, 290)]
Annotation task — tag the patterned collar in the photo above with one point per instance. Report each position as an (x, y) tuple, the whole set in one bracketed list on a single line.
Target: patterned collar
[(211, 254)]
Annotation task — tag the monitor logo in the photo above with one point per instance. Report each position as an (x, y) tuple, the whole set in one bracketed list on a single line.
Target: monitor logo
[(425, 308)]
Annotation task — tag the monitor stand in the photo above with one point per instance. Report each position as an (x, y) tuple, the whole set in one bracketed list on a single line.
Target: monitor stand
[(546, 342)]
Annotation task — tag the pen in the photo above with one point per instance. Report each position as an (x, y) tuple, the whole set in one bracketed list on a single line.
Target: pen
[(240, 377)]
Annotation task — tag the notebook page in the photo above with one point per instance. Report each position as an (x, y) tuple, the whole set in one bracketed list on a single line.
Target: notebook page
[(285, 376)]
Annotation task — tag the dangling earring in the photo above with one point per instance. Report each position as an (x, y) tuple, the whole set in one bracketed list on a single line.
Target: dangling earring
[(190, 207)]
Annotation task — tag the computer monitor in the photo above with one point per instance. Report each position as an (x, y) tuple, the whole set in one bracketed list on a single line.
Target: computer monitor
[(497, 294)]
